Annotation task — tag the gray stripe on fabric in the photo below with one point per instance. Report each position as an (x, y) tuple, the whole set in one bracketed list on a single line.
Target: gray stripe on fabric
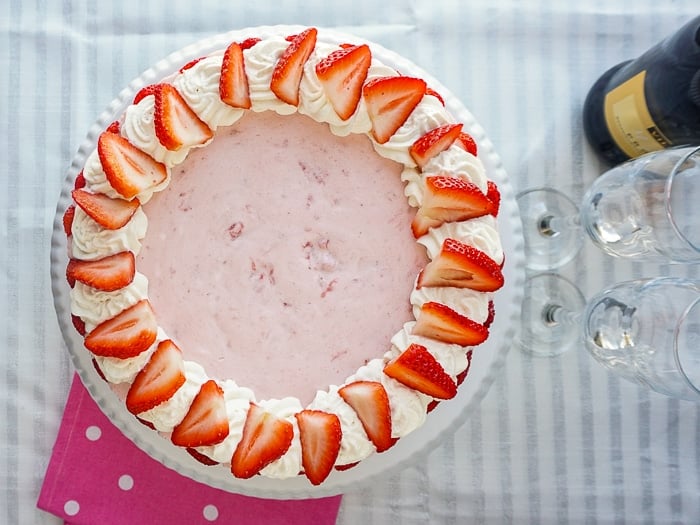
[(11, 422), (39, 284), (674, 458), (560, 436), (504, 452), (66, 84), (697, 450), (91, 57), (528, 364), (118, 79), (616, 451), (533, 472), (645, 467), (450, 476), (477, 461), (394, 486), (65, 121), (556, 371), (423, 489)]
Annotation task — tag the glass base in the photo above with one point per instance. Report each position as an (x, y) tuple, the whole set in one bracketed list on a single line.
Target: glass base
[(551, 228), (550, 315)]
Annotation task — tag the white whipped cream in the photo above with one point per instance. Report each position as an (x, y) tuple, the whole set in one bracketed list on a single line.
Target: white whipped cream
[(466, 302), (480, 232), (260, 61), (453, 358), (139, 129), (290, 463), (455, 162), (354, 445), (168, 414), (314, 100), (118, 370), (408, 407), (237, 401), (459, 163), (427, 115), (199, 86), (96, 180), (90, 241), (94, 306)]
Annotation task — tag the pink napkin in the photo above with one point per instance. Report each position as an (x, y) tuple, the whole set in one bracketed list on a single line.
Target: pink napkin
[(96, 475)]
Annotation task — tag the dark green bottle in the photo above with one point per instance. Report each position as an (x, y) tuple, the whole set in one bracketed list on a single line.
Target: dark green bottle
[(649, 103)]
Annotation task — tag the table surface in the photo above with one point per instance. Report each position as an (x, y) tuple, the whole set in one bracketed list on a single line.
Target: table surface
[(555, 440)]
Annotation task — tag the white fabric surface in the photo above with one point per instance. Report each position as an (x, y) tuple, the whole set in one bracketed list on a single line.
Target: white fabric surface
[(555, 440)]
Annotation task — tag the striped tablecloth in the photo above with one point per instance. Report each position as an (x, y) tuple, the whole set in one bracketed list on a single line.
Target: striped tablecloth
[(555, 440)]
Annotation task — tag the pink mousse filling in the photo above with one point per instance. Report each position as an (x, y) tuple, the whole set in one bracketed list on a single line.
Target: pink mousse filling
[(281, 256)]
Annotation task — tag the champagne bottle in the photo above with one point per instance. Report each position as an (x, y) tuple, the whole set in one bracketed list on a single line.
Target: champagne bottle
[(650, 103)]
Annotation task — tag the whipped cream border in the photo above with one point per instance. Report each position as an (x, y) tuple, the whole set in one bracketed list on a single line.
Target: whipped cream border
[(422, 120)]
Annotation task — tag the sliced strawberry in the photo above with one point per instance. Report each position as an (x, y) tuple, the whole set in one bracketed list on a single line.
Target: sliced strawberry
[(105, 211), (128, 169), (462, 266), (320, 435), (416, 368), (233, 83), (190, 64), (289, 68), (370, 402), (113, 127), (79, 181), (347, 466), (206, 421), (463, 374), (491, 315), (68, 216), (78, 324), (158, 381), (442, 323), (265, 439), (460, 379), (126, 335), (145, 92), (494, 196), (432, 406), (466, 142), (390, 100), (176, 124), (434, 142), (342, 75), (107, 274), (146, 423), (432, 92), (249, 42), (205, 460), (98, 370), (448, 199)]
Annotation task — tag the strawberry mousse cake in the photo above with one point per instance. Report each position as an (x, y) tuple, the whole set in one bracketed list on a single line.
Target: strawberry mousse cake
[(283, 256)]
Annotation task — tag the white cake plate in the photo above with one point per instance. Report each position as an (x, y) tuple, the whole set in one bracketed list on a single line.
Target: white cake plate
[(486, 361)]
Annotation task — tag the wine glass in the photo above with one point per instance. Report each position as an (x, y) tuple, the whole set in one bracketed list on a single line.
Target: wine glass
[(646, 330), (645, 208)]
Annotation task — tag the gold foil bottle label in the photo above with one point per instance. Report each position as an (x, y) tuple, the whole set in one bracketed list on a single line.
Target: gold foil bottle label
[(629, 121)]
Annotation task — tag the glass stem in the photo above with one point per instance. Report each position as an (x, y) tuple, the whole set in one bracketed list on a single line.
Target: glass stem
[(554, 315), (551, 225)]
